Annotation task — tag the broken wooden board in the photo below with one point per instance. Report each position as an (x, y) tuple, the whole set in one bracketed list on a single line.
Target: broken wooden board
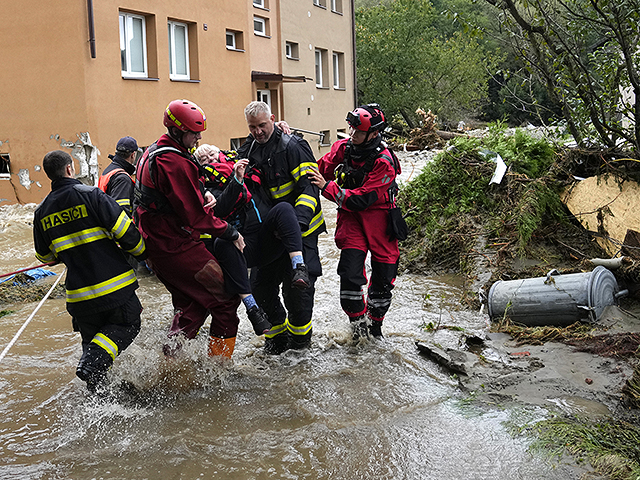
[(608, 207)]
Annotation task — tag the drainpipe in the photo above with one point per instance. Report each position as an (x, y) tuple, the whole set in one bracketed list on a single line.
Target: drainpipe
[(353, 46), (92, 33)]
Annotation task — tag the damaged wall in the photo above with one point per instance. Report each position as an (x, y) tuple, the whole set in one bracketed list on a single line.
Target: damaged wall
[(86, 156), (28, 183)]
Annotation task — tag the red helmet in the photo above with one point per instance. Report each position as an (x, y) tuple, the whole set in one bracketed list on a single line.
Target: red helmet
[(367, 118), (185, 115)]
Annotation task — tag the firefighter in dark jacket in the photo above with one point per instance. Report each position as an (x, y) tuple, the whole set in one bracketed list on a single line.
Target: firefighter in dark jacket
[(277, 172), (171, 213), (358, 174), (87, 230), (117, 179)]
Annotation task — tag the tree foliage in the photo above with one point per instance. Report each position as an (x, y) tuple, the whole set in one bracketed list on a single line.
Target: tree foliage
[(586, 54), (404, 62)]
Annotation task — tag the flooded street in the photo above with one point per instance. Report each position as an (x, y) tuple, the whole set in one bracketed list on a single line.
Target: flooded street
[(375, 410)]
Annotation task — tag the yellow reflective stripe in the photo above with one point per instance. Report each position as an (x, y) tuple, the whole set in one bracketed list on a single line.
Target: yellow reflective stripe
[(122, 225), (205, 235), (282, 190), (139, 248), (49, 257), (101, 289), (307, 200), (105, 342), (302, 169), (124, 202), (300, 330), (79, 238), (277, 329), (316, 223)]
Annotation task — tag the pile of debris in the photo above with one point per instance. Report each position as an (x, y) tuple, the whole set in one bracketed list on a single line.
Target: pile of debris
[(427, 136)]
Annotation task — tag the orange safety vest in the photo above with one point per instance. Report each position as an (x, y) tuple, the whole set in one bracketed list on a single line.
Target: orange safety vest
[(103, 181)]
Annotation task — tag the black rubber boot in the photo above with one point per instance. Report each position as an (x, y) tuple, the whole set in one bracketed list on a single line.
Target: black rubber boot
[(93, 366), (276, 345), (300, 342), (259, 320), (359, 328), (375, 329)]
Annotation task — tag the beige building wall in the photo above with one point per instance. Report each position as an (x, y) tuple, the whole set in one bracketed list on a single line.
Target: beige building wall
[(324, 25), (56, 96)]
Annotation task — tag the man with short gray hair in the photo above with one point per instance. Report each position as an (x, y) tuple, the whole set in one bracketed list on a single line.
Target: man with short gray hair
[(277, 172)]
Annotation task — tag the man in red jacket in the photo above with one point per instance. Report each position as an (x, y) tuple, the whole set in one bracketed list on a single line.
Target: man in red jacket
[(171, 214), (358, 174)]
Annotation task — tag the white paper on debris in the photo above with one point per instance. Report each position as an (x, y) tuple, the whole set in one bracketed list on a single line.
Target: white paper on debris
[(501, 169)]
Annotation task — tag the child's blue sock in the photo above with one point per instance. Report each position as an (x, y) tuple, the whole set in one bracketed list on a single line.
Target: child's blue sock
[(296, 260), (249, 301)]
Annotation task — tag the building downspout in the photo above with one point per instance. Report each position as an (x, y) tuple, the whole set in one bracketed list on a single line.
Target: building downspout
[(92, 33), (353, 41)]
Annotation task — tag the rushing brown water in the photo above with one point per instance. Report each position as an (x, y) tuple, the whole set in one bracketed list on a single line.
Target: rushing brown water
[(375, 410)]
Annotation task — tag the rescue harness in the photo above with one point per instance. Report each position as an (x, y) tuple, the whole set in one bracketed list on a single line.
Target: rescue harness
[(151, 198), (350, 177)]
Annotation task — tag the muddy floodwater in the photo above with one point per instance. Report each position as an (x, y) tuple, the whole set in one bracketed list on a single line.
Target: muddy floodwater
[(377, 410)]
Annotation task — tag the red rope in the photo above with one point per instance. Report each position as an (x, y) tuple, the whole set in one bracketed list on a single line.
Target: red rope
[(25, 269)]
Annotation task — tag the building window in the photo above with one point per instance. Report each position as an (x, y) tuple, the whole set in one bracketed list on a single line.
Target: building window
[(261, 4), (321, 68), (336, 6), (133, 45), (261, 26), (320, 3), (292, 51), (178, 51), (235, 40), (342, 133), (338, 70), (5, 166), (325, 138)]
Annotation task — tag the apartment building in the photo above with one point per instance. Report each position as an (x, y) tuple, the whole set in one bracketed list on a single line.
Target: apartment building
[(79, 75)]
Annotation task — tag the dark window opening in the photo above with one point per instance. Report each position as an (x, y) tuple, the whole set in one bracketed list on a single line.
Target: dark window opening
[(5, 165)]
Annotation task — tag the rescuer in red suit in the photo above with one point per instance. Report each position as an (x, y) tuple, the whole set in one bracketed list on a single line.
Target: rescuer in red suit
[(358, 174), (171, 214)]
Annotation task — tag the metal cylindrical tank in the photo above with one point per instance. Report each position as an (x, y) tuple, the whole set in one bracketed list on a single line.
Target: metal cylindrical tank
[(556, 299)]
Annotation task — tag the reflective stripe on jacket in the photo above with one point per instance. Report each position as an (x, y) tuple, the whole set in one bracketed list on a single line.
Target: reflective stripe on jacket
[(87, 230)]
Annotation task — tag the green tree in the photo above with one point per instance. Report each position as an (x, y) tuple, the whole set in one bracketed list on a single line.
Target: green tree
[(403, 62), (586, 53)]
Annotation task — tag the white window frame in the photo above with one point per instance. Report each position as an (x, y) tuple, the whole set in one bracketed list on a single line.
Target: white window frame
[(319, 79), (336, 6), (259, 4), (126, 35), (231, 34), (263, 22), (336, 70), (172, 27)]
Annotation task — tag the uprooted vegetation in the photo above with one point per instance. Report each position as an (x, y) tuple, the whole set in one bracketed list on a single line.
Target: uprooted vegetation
[(520, 227)]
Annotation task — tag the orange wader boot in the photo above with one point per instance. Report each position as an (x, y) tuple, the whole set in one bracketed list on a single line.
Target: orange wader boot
[(221, 346)]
